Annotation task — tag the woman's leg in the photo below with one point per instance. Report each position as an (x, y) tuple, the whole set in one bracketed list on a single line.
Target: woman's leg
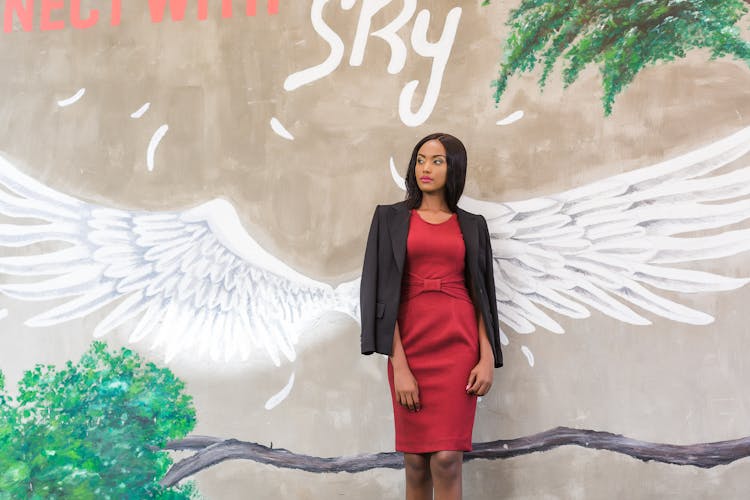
[(445, 468), (418, 478)]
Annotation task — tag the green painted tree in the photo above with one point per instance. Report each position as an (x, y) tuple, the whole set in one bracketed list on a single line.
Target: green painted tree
[(620, 37), (94, 429)]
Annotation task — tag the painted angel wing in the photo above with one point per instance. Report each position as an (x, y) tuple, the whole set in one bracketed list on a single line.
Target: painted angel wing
[(602, 244), (196, 279)]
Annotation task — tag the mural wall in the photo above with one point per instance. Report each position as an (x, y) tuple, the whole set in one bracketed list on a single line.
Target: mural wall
[(185, 191)]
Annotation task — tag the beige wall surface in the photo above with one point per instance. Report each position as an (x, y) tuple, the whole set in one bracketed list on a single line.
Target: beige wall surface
[(218, 83)]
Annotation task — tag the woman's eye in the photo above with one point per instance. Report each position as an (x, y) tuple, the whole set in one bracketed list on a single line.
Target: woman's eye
[(438, 162)]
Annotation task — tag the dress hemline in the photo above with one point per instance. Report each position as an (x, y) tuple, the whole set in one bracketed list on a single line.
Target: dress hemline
[(457, 444)]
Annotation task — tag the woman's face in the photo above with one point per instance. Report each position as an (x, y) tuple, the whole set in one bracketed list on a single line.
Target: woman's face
[(431, 168)]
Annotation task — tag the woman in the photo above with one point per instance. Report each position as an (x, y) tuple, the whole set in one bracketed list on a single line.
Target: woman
[(427, 301)]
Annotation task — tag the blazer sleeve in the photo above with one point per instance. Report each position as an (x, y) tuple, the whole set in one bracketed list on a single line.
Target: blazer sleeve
[(368, 287), (489, 284)]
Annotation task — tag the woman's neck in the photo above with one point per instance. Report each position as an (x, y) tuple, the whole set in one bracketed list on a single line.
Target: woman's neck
[(434, 202)]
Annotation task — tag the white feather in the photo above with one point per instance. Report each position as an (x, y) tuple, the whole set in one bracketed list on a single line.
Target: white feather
[(280, 396), (608, 240), (400, 182), (192, 278)]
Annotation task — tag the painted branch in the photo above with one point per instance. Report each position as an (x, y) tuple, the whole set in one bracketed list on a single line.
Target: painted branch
[(212, 451), (217, 451)]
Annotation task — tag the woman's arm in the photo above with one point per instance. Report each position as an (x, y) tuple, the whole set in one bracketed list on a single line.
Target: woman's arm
[(493, 329), (404, 383), (368, 288), (480, 377)]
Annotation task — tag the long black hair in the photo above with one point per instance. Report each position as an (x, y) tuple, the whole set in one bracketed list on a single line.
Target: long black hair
[(455, 157)]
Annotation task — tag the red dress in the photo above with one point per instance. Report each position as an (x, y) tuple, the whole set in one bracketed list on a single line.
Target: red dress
[(438, 328)]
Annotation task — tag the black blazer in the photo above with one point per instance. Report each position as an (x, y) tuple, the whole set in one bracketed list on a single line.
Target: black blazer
[(380, 288)]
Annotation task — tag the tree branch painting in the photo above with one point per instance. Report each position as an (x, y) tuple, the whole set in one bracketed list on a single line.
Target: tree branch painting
[(620, 37), (212, 451)]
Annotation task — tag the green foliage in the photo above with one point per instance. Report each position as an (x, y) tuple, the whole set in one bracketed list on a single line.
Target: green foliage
[(620, 37), (94, 429)]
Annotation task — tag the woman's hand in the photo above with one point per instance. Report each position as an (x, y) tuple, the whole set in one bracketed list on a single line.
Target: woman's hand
[(480, 377), (407, 390)]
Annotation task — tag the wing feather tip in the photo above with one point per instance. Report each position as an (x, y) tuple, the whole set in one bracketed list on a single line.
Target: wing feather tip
[(101, 332), (42, 321)]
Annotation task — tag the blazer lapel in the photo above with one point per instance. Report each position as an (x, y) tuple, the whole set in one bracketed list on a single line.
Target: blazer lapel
[(399, 228)]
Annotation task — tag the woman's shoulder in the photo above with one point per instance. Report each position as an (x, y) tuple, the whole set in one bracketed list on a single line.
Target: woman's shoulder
[(401, 205), (470, 215)]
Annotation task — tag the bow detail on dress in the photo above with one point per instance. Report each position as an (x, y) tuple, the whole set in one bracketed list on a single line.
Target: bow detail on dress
[(452, 285)]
